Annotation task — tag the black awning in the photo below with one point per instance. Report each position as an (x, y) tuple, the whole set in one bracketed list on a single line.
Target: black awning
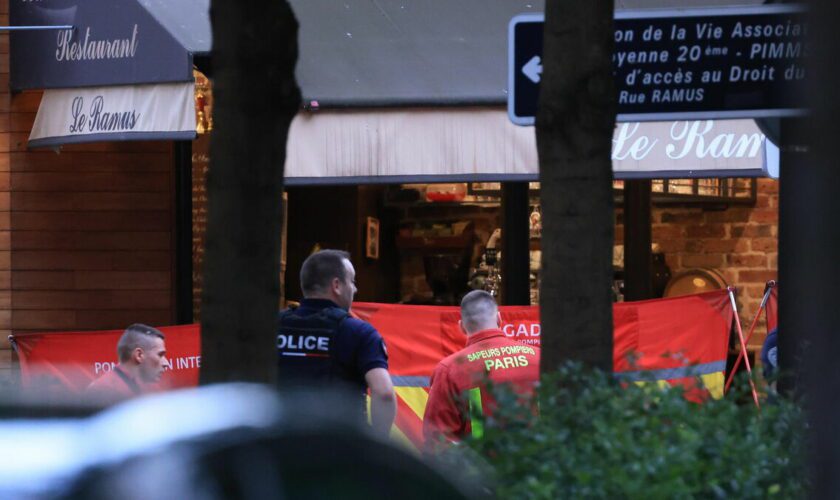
[(114, 42), (401, 52), (353, 53)]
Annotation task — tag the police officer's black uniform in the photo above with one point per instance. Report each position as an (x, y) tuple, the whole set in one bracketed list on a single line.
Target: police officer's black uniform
[(319, 343)]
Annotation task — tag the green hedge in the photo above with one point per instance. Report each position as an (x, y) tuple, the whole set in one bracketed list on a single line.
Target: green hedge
[(596, 438)]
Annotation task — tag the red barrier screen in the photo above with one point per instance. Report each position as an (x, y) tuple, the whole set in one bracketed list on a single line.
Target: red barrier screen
[(674, 340)]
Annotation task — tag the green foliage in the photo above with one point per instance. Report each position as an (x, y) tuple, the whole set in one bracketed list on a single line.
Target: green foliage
[(598, 438)]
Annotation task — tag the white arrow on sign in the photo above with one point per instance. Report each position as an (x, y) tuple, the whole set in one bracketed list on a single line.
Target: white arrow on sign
[(533, 69)]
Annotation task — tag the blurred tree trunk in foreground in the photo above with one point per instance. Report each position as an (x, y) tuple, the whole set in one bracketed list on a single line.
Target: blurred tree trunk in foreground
[(256, 98), (809, 243), (574, 127)]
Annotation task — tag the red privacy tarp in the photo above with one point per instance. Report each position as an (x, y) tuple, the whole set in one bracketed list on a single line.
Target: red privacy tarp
[(673, 341)]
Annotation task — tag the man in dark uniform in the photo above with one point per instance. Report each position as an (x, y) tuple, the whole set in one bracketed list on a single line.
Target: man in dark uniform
[(320, 344)]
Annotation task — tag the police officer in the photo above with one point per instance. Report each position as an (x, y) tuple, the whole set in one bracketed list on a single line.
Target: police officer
[(320, 344)]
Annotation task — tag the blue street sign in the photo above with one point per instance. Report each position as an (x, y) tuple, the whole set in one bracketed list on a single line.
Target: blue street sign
[(525, 37), (738, 62)]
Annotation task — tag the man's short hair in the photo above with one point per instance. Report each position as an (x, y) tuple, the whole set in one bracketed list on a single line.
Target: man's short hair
[(137, 335), (320, 268), (478, 311)]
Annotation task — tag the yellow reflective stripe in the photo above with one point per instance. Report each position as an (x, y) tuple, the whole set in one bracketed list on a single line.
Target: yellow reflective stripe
[(476, 412), (399, 437), (662, 384), (415, 397), (714, 384)]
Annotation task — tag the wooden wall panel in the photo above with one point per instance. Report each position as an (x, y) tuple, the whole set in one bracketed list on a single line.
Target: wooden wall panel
[(7, 370), (86, 234)]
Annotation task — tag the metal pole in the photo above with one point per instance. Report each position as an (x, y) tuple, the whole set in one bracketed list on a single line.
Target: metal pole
[(182, 159), (743, 345), (37, 28), (516, 255), (742, 354), (638, 261)]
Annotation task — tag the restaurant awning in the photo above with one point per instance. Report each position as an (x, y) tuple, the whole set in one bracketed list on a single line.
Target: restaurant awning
[(481, 144), (114, 42), (124, 72), (116, 113)]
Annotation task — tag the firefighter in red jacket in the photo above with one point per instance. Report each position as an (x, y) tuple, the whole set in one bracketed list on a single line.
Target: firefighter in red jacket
[(456, 387)]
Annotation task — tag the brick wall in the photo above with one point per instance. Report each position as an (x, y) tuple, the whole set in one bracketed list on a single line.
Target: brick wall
[(741, 243), (85, 234)]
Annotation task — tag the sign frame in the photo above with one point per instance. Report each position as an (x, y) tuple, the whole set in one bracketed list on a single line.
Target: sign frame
[(659, 14)]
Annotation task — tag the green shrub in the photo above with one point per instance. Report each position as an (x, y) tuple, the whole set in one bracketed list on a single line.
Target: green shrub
[(597, 438)]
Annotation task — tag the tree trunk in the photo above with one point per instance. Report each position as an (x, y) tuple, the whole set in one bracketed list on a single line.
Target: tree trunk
[(256, 97), (574, 126), (809, 240)]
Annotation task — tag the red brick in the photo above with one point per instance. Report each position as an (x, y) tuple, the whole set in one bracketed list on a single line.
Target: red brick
[(768, 186), (773, 260), (683, 217), (752, 291), (694, 246), (764, 245), (713, 260), (727, 245), (670, 246), (751, 230), (706, 231), (729, 275), (738, 214), (768, 215), (756, 276), (748, 260), (667, 231), (764, 201)]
